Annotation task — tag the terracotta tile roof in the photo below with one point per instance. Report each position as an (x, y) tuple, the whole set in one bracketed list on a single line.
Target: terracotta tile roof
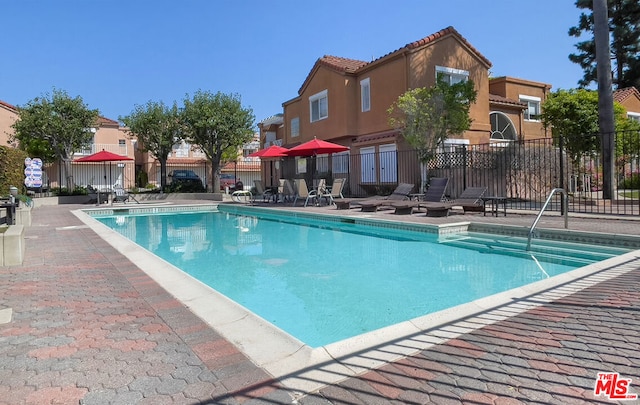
[(496, 99), (436, 36), (347, 65), (106, 121), (622, 94), (443, 33), (9, 106), (341, 64)]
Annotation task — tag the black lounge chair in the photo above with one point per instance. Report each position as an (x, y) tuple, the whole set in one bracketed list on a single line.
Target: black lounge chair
[(434, 194), (469, 200), (400, 193)]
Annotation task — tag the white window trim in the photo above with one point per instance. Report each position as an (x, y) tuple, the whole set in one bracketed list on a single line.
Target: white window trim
[(316, 97), (451, 72), (634, 116), (531, 98), (365, 83)]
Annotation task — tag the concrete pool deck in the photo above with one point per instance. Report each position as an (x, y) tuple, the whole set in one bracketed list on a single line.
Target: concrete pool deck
[(88, 326)]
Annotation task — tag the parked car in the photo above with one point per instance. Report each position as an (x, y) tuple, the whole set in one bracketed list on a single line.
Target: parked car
[(228, 180), (185, 181)]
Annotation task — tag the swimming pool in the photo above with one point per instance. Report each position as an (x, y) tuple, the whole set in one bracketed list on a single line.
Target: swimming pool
[(323, 282)]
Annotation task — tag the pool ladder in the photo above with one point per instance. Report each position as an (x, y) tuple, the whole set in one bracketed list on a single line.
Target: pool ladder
[(564, 207)]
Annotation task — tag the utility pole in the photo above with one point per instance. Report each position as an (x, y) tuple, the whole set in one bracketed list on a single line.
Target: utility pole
[(605, 95)]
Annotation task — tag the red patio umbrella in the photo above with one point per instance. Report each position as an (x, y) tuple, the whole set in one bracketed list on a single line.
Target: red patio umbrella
[(271, 151), (316, 147), (103, 156)]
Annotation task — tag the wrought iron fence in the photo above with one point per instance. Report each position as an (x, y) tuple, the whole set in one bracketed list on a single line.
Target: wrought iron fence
[(523, 172)]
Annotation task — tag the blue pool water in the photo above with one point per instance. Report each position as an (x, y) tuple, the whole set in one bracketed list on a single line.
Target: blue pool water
[(324, 282)]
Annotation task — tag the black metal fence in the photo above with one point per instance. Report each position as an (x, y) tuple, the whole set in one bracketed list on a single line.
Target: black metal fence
[(523, 172)]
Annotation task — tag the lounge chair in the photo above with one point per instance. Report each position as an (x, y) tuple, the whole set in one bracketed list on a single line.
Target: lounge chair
[(434, 194), (121, 195), (335, 191), (400, 193), (261, 192), (303, 192), (469, 200)]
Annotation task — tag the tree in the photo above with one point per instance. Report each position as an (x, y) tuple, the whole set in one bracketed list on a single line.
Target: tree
[(219, 125), (624, 26), (157, 127), (427, 116), (55, 127), (573, 115)]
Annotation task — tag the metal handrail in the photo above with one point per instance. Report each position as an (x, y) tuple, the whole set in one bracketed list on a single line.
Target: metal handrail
[(565, 204)]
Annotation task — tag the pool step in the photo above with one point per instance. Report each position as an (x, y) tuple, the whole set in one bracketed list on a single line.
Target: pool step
[(543, 250)]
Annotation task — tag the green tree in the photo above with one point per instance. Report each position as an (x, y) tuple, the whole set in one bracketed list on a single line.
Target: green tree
[(55, 127), (157, 127), (573, 115), (219, 125), (427, 116), (624, 26)]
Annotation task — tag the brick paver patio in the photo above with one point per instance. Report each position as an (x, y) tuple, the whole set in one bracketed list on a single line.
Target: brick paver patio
[(89, 327)]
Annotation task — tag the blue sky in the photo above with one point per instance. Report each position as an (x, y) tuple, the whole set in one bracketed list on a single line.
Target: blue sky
[(116, 54)]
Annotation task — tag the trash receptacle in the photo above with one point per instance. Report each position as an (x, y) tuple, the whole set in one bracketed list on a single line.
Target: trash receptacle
[(239, 186)]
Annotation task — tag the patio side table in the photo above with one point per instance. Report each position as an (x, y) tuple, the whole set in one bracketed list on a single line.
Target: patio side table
[(495, 205)]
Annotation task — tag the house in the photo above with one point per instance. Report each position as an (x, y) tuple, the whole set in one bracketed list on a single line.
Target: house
[(108, 135), (629, 98), (346, 101)]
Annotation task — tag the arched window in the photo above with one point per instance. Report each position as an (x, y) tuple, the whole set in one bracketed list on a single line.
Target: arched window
[(502, 128)]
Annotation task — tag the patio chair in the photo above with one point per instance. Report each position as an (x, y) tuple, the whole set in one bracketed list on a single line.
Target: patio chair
[(303, 192), (470, 200), (286, 191), (261, 192), (399, 194), (335, 191), (434, 194), (121, 195)]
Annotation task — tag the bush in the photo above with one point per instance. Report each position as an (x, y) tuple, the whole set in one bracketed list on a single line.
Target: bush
[(632, 182), (78, 190), (185, 188)]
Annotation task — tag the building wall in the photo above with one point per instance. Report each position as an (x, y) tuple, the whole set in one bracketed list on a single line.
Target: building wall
[(631, 104), (513, 88), (8, 116), (387, 82), (451, 53)]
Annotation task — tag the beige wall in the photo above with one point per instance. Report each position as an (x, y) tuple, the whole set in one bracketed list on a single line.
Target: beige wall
[(8, 116), (631, 104), (451, 53), (513, 88)]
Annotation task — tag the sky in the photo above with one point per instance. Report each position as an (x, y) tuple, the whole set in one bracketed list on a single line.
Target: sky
[(117, 54)]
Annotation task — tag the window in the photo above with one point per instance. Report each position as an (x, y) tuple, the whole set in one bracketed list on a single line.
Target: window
[(340, 162), (634, 116), (450, 75), (181, 149), (295, 127), (122, 143), (319, 106), (365, 95), (532, 113), (502, 129)]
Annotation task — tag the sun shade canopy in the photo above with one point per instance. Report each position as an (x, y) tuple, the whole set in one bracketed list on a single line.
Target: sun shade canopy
[(316, 147), (103, 156)]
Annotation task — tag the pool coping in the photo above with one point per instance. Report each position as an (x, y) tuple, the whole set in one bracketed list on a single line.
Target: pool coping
[(304, 369)]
